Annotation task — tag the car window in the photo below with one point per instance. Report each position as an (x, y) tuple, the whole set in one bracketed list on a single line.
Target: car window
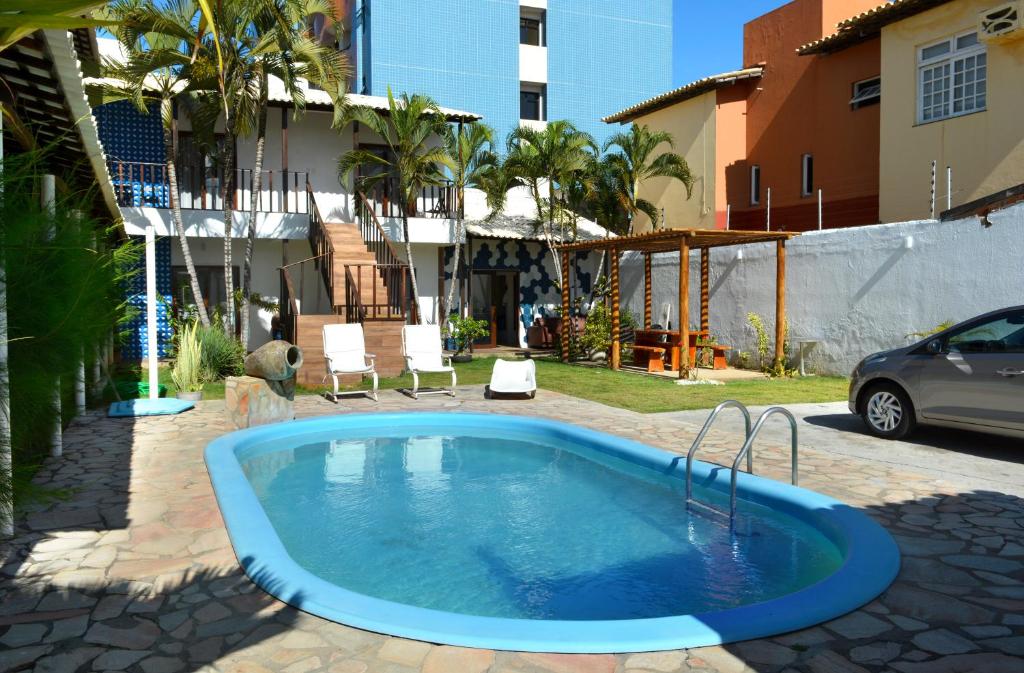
[(1002, 334)]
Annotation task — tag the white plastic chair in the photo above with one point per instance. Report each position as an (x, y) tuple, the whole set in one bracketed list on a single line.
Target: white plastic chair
[(421, 347), (514, 377), (345, 353)]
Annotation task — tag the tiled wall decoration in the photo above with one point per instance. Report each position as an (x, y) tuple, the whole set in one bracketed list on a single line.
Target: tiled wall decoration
[(538, 295), (136, 345), (134, 144)]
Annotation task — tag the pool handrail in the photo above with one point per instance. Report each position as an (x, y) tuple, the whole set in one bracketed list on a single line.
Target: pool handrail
[(700, 437), (746, 450)]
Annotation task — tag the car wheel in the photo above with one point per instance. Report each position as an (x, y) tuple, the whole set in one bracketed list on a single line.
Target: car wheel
[(888, 412)]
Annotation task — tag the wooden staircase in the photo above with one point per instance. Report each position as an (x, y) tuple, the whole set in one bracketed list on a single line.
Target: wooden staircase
[(361, 289)]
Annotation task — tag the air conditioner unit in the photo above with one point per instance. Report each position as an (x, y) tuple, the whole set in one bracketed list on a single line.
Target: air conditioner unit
[(1002, 23)]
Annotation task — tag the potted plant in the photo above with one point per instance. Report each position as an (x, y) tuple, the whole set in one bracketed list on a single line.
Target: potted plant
[(465, 331), (187, 372)]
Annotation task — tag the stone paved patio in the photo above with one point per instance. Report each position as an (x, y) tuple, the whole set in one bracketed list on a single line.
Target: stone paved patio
[(133, 571)]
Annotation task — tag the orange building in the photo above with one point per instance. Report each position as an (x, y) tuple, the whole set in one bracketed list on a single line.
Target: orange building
[(783, 128)]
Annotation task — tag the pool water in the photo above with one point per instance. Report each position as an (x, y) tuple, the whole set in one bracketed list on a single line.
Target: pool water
[(540, 527)]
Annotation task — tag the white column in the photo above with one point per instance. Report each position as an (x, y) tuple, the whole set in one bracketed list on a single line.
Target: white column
[(819, 210), (80, 385), (49, 199), (949, 187), (6, 513), (97, 370), (154, 375)]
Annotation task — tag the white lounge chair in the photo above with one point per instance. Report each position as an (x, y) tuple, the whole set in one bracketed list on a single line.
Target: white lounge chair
[(421, 347), (345, 353), (513, 377)]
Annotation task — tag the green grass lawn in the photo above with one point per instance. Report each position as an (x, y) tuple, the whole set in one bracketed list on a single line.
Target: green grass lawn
[(644, 394)]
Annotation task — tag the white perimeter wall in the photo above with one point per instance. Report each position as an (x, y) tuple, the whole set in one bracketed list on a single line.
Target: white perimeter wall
[(860, 290)]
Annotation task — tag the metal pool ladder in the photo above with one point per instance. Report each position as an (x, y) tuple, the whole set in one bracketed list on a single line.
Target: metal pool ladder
[(750, 442), (745, 450), (700, 438)]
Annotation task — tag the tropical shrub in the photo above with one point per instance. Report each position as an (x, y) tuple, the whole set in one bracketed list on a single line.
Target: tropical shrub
[(187, 372), (64, 300), (597, 333), (467, 330), (766, 358), (221, 353)]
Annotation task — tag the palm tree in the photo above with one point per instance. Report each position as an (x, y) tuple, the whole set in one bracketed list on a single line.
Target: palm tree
[(469, 159), (284, 50), (635, 162), (21, 18), (603, 201), (408, 130), (550, 160), (225, 41), (155, 70)]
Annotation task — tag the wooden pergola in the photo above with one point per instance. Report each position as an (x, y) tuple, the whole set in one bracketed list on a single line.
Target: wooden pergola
[(680, 241)]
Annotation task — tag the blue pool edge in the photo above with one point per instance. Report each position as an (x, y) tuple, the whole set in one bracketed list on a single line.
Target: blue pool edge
[(871, 557)]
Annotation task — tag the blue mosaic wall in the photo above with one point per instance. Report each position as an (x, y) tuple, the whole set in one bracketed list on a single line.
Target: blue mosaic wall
[(130, 136), (136, 345), (605, 55), (537, 293)]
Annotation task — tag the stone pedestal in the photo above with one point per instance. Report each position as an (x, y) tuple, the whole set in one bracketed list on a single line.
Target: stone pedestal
[(250, 401)]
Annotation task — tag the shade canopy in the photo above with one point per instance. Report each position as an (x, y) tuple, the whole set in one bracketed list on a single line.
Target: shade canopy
[(669, 240), (680, 241)]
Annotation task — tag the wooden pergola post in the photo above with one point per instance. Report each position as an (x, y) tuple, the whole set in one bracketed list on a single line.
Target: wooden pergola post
[(565, 306), (684, 306), (647, 290), (615, 307), (780, 301), (705, 290)]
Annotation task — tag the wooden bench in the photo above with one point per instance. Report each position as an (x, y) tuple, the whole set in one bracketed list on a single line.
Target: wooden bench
[(649, 351), (718, 355)]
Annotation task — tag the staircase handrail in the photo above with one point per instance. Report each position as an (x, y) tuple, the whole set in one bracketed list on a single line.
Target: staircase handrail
[(289, 306), (375, 236), (320, 243), (352, 298)]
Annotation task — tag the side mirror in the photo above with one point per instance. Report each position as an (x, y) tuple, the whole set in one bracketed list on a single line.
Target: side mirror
[(934, 346)]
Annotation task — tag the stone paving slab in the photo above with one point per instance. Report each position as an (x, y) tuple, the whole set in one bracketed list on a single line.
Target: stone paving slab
[(133, 571)]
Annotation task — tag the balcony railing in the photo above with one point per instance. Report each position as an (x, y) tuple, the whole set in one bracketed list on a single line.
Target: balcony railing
[(433, 200), (145, 184)]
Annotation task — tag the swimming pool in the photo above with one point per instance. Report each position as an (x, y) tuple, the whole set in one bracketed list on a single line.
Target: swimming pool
[(525, 534)]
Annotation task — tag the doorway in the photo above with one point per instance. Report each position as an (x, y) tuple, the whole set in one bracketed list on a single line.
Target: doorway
[(494, 299)]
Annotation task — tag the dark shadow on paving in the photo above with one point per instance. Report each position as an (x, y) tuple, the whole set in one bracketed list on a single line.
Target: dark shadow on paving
[(956, 606), (983, 445), (89, 623)]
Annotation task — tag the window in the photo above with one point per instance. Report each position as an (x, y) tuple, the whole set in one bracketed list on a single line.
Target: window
[(806, 175), (1003, 334), (531, 103), (755, 185), (951, 78), (531, 29), (211, 284), (866, 92)]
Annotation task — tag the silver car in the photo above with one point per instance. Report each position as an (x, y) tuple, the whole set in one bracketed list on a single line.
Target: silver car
[(969, 376)]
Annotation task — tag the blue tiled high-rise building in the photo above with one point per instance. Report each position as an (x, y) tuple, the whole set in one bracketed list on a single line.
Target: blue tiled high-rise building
[(515, 61)]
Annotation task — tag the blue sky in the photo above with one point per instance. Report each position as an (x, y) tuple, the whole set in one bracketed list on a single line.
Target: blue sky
[(707, 35)]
